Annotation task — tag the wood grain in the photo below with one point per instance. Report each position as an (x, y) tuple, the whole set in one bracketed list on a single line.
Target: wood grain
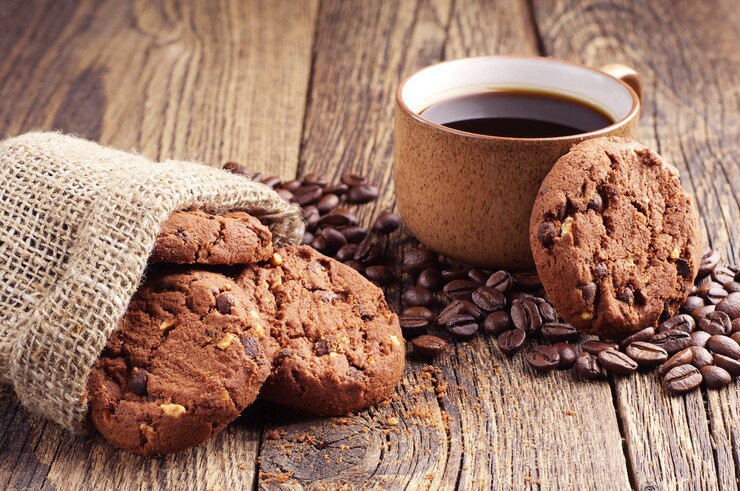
[(689, 115)]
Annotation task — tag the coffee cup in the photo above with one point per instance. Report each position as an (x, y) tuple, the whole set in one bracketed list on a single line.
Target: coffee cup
[(469, 195)]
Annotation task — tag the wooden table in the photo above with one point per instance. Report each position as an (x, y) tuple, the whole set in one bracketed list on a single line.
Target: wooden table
[(291, 86)]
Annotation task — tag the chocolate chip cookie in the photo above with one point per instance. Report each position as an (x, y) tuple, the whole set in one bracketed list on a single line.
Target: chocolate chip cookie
[(197, 237), (341, 348), (189, 355), (614, 237)]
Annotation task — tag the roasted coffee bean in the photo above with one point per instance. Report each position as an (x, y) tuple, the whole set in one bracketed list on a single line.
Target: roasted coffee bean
[(527, 280), (697, 314), (595, 347), (293, 185), (546, 233), (311, 215), (364, 193), (716, 323), (646, 354), (735, 336), (285, 194), (715, 377), (617, 362), (353, 180), (420, 311), (691, 303), (702, 356), (235, 168), (512, 341), (224, 303), (319, 243), (559, 331), (543, 358), (672, 341), (709, 261), (547, 311), (346, 252), (699, 338), (497, 322), (413, 325), (417, 295), (723, 275), (525, 315), (381, 275), (680, 322), (460, 289), (317, 179), (479, 275), (418, 259), (733, 287), (729, 364), (568, 355), (333, 238), (730, 305), (354, 235), (683, 357), (723, 345), (501, 281), (273, 182), (356, 266), (307, 238), (488, 299), (706, 285), (454, 274), (715, 295), (588, 366), (735, 325), (327, 203), (682, 379), (137, 382), (307, 194), (429, 346), (339, 217), (387, 223), (462, 326), (460, 307), (369, 251), (338, 189), (258, 177), (642, 335), (430, 278)]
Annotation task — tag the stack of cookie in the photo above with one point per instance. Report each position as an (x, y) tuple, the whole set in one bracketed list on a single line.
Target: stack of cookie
[(221, 318)]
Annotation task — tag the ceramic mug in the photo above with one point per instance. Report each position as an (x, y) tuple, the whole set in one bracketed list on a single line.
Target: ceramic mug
[(469, 196)]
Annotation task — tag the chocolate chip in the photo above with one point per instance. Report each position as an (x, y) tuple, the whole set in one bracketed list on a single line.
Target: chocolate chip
[(595, 203), (588, 293), (224, 303), (626, 295), (251, 346), (683, 268), (137, 382), (546, 233), (321, 347), (601, 270)]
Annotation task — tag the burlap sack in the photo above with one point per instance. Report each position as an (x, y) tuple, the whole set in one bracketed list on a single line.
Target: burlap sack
[(78, 223)]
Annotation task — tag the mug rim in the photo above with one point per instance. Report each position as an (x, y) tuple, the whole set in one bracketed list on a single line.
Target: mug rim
[(591, 134)]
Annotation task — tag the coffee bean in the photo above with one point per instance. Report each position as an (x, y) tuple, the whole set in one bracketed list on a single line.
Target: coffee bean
[(716, 323), (462, 326), (488, 299), (307, 194), (730, 305), (293, 185), (723, 345), (699, 338), (559, 331), (137, 383), (369, 251), (707, 284), (543, 358), (346, 252), (356, 266), (697, 314), (732, 287), (272, 182), (735, 336), (691, 303), (460, 307), (682, 379), (429, 346), (595, 347), (413, 325), (715, 295), (338, 189), (285, 194), (512, 341), (568, 355), (501, 281), (460, 289), (381, 275), (729, 364), (680, 322), (454, 274), (547, 311), (258, 177), (683, 357), (672, 341), (327, 203), (317, 179), (735, 325), (430, 278), (311, 215), (418, 259), (307, 238), (642, 335), (646, 354), (588, 366), (417, 295), (546, 233), (364, 193), (617, 362), (420, 311), (339, 217), (387, 223), (353, 180), (496, 323), (224, 303), (235, 168), (527, 280), (702, 356), (709, 261), (354, 234), (525, 315), (333, 238), (478, 275), (319, 243), (723, 275), (715, 377)]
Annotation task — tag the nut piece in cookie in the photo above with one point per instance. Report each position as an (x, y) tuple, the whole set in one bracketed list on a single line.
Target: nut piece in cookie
[(197, 237), (615, 237), (186, 359), (341, 348)]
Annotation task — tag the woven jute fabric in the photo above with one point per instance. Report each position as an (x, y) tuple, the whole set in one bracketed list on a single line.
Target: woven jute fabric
[(78, 223)]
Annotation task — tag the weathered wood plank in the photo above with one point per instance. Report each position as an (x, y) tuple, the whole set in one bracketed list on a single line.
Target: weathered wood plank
[(208, 81), (689, 67), (475, 420)]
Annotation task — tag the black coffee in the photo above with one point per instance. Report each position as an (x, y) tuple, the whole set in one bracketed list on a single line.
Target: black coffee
[(517, 114)]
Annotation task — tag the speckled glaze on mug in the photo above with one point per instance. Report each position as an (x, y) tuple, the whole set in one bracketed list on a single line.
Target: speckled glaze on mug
[(469, 196)]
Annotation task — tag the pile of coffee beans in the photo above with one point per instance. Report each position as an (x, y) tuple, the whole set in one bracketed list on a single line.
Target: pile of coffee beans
[(700, 345)]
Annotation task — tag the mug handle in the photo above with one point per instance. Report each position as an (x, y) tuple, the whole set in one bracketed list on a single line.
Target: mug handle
[(625, 74)]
